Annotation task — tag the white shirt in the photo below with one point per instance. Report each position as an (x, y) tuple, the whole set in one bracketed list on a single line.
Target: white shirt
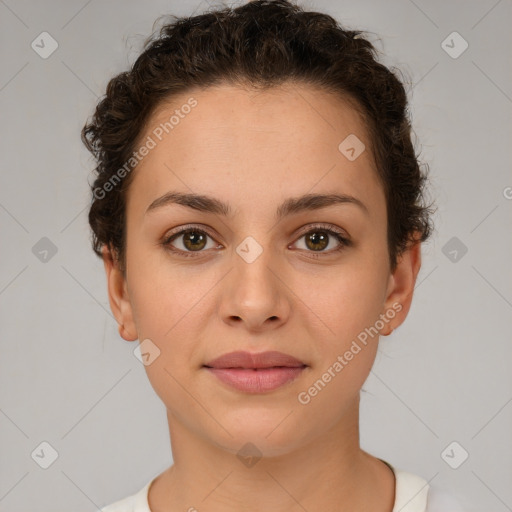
[(412, 494)]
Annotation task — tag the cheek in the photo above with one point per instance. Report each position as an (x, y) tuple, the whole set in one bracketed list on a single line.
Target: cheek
[(343, 301), (167, 309), (163, 308), (159, 293), (171, 304), (349, 306)]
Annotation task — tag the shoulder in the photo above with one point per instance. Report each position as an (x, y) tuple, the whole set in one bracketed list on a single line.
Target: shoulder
[(137, 502), (414, 494), (411, 492), (441, 500)]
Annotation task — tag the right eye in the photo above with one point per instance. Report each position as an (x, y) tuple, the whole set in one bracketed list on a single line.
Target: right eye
[(191, 240)]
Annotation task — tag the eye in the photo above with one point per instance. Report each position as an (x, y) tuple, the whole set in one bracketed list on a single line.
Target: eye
[(189, 240), (320, 237)]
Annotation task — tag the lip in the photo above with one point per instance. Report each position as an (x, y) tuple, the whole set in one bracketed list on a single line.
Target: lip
[(256, 373), (243, 359)]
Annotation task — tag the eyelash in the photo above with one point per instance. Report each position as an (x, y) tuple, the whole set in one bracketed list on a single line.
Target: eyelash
[(326, 228)]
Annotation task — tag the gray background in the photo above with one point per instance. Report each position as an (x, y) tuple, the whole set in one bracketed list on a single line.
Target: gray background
[(67, 378)]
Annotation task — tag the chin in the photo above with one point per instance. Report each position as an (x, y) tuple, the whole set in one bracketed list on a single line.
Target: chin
[(267, 436)]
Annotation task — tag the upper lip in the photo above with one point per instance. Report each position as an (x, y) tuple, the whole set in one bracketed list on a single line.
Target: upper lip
[(242, 359)]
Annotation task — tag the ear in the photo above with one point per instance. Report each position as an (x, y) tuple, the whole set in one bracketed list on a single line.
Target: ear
[(401, 286), (118, 295)]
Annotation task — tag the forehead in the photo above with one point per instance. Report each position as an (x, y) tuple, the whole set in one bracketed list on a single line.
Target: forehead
[(231, 112), (283, 139)]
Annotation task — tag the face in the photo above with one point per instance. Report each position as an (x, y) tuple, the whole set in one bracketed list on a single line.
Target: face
[(266, 271)]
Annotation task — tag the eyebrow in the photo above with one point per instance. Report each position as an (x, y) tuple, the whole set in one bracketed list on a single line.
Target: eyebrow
[(290, 206)]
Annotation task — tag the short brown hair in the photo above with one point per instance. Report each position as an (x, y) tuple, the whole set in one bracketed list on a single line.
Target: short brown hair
[(262, 44)]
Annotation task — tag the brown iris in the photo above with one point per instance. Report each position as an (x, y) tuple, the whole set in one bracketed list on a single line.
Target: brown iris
[(317, 240), (194, 240)]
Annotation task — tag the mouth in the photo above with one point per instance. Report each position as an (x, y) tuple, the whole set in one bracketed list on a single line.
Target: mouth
[(256, 373), (248, 360), (257, 380)]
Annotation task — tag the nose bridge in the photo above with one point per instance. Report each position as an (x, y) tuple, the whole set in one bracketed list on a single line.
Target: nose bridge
[(255, 292), (253, 263)]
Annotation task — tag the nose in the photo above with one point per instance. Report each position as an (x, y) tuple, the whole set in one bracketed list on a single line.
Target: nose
[(254, 294)]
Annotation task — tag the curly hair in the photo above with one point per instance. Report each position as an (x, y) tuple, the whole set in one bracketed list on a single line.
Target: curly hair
[(263, 43)]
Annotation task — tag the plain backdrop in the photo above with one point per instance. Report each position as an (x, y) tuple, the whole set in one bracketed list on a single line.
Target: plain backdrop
[(440, 393)]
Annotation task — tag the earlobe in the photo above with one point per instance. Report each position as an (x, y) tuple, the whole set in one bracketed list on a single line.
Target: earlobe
[(127, 336), (401, 287), (118, 296)]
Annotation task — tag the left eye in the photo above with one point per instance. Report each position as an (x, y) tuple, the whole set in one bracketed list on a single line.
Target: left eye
[(319, 239)]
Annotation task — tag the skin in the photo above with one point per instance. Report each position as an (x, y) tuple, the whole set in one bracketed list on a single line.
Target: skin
[(253, 150)]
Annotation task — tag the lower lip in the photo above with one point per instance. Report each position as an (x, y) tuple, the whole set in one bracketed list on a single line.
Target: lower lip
[(257, 381)]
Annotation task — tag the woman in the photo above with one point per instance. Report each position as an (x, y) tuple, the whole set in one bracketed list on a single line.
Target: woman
[(258, 206)]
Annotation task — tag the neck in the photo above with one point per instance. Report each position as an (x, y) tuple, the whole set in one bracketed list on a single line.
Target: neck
[(329, 473)]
